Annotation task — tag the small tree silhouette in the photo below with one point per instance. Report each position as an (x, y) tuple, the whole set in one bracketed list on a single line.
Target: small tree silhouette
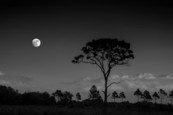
[(105, 53), (162, 94), (94, 93), (67, 97), (138, 94), (171, 96), (155, 96), (146, 95), (78, 96), (114, 95), (58, 95), (122, 96)]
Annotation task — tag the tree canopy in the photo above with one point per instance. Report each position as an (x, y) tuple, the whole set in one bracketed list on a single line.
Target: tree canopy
[(105, 51), (138, 94)]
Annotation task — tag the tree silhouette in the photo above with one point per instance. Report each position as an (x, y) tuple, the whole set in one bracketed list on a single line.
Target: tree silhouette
[(146, 95), (105, 53), (114, 95), (162, 94), (155, 96), (7, 95), (122, 96), (94, 93), (10, 96), (78, 96), (36, 98), (171, 96), (67, 97), (138, 94), (58, 95)]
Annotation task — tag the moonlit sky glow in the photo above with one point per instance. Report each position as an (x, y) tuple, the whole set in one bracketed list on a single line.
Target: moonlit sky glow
[(64, 28)]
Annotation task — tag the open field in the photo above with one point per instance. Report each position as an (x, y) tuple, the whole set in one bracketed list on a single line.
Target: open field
[(54, 110)]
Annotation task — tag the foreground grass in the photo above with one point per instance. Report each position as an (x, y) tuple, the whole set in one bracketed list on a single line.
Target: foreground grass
[(54, 110)]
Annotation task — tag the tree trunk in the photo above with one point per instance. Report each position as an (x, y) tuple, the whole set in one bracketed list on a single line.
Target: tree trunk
[(105, 93), (161, 99), (105, 97), (155, 100)]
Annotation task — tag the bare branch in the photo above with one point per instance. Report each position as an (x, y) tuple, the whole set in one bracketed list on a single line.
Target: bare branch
[(101, 65), (108, 71), (103, 91), (91, 62), (108, 95), (112, 84), (98, 63)]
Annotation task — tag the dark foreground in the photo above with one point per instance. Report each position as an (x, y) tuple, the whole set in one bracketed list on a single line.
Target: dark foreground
[(55, 110)]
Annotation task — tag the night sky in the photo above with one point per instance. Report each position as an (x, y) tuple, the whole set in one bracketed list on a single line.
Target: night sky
[(64, 28)]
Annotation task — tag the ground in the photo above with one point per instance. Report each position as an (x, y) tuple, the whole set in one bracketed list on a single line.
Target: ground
[(54, 110)]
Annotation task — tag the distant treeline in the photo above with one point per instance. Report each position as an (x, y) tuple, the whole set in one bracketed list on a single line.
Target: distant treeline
[(10, 96)]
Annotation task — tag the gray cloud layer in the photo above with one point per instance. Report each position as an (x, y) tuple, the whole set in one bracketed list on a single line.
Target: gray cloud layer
[(14, 80), (143, 81)]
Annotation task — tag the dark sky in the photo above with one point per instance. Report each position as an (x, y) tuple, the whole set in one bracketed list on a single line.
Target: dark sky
[(64, 28)]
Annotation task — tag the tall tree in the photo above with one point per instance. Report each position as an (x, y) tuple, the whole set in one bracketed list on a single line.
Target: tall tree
[(155, 96), (171, 96), (122, 96), (138, 94), (114, 95), (78, 96), (105, 53), (146, 95), (162, 94)]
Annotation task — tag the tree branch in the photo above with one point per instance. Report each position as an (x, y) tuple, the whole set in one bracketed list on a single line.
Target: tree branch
[(103, 91), (91, 62), (101, 65), (108, 95), (109, 68), (108, 71), (98, 63), (112, 84)]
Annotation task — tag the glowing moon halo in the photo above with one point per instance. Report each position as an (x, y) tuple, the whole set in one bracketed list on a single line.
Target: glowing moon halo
[(36, 42)]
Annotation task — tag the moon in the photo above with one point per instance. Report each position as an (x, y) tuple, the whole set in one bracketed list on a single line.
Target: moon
[(36, 42)]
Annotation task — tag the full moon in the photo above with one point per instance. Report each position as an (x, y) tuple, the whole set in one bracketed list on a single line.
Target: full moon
[(36, 42)]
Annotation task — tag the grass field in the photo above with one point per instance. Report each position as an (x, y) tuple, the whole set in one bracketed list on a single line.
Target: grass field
[(54, 110)]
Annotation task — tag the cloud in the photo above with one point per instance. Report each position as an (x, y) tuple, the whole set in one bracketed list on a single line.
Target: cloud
[(167, 77), (116, 87), (141, 84), (14, 80), (165, 86), (85, 83), (146, 76), (148, 81), (1, 73), (142, 81)]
